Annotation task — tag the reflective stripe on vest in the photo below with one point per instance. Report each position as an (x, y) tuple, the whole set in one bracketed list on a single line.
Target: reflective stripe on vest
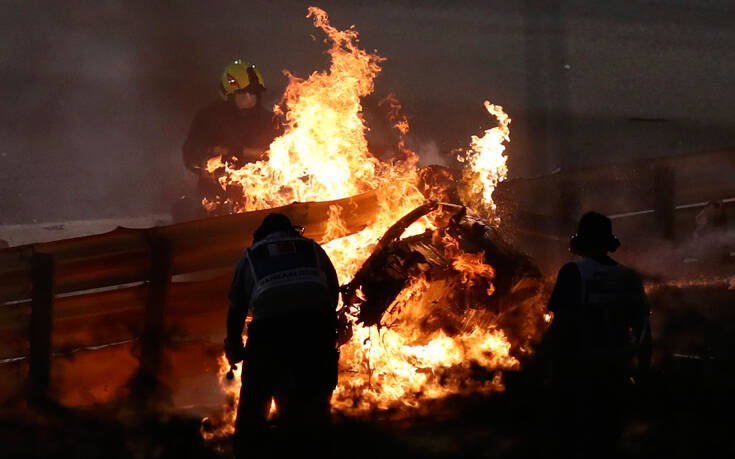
[(284, 262)]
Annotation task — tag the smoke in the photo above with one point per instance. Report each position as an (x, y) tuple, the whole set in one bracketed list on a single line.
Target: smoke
[(87, 129), (695, 257), (429, 153), (713, 247), (97, 101)]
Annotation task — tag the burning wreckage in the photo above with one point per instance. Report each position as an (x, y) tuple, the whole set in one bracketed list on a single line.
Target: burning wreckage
[(466, 304), (458, 281), (434, 301), (502, 279)]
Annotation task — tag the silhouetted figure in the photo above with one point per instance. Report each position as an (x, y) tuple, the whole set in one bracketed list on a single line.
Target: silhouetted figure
[(236, 128), (290, 287), (600, 338)]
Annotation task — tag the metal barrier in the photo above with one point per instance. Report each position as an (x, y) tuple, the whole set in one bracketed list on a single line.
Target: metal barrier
[(42, 285)]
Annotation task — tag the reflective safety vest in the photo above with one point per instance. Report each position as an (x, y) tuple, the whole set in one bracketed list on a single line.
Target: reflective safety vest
[(286, 273), (611, 302)]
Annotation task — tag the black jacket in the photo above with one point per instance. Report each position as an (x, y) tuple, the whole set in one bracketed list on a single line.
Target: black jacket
[(243, 284), (573, 317), (222, 124)]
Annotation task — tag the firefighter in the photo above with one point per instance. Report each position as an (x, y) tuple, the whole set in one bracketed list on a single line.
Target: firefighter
[(600, 339), (237, 127), (290, 287)]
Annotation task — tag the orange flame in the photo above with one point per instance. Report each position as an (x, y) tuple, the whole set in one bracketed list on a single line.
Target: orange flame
[(486, 163), (323, 155), (231, 387)]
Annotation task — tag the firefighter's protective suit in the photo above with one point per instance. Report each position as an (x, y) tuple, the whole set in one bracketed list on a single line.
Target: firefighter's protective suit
[(600, 338), (237, 135), (290, 287)]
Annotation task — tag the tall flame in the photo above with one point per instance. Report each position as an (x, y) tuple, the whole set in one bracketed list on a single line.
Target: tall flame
[(323, 155), (486, 163)]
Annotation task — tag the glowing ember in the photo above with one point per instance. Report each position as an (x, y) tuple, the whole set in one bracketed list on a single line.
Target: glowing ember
[(322, 156)]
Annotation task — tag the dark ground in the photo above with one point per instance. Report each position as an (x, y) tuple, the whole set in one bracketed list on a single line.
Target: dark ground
[(683, 410)]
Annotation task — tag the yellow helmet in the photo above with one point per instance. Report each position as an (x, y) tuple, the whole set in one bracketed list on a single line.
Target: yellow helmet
[(240, 76)]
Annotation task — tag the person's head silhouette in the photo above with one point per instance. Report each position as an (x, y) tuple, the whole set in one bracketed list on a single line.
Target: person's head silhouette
[(594, 235)]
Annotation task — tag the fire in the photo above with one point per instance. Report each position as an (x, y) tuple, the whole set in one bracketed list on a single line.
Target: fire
[(323, 155), (486, 161), (471, 265), (400, 365), (225, 426)]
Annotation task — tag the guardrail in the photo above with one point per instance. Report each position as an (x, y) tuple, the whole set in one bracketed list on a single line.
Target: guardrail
[(658, 187), (54, 293), (49, 283)]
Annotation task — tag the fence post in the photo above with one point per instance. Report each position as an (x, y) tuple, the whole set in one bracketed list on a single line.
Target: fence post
[(569, 207), (153, 340), (42, 302), (664, 189)]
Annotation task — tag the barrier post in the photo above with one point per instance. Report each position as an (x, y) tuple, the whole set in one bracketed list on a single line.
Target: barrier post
[(42, 302), (153, 339), (664, 189)]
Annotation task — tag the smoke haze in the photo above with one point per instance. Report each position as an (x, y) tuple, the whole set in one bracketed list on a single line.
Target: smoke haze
[(98, 97)]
